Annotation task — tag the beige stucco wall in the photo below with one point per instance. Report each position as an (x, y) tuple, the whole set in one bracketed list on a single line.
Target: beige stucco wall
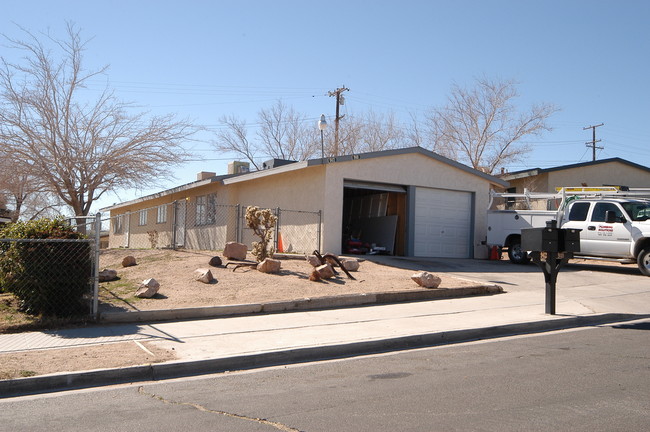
[(538, 183), (403, 169), (137, 236), (612, 173), (321, 188)]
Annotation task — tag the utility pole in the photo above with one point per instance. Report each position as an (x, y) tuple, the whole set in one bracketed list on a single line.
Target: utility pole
[(593, 141), (339, 101)]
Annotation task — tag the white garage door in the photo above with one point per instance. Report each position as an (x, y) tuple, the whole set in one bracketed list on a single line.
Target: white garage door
[(443, 223)]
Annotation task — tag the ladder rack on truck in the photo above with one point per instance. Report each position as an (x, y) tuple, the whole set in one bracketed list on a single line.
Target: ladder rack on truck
[(563, 193), (614, 221)]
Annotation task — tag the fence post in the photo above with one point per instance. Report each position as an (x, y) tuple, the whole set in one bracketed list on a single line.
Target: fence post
[(128, 230), (277, 230), (320, 221), (98, 229), (238, 234), (173, 206)]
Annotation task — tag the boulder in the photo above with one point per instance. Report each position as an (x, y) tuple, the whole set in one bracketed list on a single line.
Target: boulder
[(215, 261), (325, 271), (269, 265), (313, 260), (107, 275), (129, 261), (203, 275), (426, 279), (148, 288), (236, 251), (350, 264)]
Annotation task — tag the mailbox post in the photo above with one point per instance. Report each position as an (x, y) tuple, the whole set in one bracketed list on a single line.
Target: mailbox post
[(551, 247)]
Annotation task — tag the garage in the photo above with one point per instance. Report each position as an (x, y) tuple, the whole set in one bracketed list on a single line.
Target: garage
[(374, 217), (443, 223)]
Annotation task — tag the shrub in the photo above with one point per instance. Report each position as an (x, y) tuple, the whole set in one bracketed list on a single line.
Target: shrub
[(262, 222), (49, 278)]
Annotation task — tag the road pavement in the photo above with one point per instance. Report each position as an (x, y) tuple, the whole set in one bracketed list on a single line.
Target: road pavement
[(587, 295)]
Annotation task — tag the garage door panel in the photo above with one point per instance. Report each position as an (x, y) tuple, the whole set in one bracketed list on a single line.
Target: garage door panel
[(443, 223)]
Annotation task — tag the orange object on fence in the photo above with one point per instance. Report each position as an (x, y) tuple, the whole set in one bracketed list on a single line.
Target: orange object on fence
[(280, 245)]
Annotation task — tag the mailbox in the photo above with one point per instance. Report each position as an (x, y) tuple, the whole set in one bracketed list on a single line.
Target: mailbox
[(551, 247), (571, 239), (550, 239)]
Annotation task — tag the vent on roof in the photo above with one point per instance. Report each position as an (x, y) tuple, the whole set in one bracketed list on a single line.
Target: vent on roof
[(238, 167), (274, 163), (205, 175)]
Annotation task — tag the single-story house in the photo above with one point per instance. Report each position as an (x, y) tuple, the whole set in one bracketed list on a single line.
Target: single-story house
[(408, 202), (605, 172)]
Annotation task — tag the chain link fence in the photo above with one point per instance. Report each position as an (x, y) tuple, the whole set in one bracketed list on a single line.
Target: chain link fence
[(204, 225), (53, 277), (60, 277)]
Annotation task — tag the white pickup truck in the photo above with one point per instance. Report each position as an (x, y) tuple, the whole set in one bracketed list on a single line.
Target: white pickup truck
[(614, 224)]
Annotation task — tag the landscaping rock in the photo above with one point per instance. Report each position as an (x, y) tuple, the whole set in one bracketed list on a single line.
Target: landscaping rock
[(203, 275), (269, 265), (129, 261), (148, 288), (107, 275), (236, 251), (426, 279), (350, 264), (325, 271), (313, 260), (215, 261)]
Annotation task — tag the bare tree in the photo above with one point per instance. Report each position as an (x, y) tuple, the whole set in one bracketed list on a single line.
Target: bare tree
[(371, 132), (23, 195), (482, 127), (77, 146), (286, 134), (232, 137), (283, 134)]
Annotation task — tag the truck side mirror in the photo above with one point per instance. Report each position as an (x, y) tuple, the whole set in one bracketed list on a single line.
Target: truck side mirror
[(610, 217)]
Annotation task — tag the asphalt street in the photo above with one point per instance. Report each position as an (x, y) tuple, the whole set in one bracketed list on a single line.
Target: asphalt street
[(591, 379)]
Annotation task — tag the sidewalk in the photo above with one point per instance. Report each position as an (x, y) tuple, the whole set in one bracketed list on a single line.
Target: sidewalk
[(235, 343)]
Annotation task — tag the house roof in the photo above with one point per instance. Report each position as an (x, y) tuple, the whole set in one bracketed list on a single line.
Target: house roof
[(536, 171), (237, 178), (369, 155)]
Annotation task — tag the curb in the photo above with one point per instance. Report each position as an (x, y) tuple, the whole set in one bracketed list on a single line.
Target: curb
[(177, 369), (313, 303)]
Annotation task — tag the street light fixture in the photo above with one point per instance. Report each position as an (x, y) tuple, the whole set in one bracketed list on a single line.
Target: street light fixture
[(322, 124)]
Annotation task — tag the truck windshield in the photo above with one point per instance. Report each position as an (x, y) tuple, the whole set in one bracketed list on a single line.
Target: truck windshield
[(638, 210)]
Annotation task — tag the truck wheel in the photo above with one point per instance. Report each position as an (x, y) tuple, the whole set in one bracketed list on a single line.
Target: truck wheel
[(516, 255), (643, 260)]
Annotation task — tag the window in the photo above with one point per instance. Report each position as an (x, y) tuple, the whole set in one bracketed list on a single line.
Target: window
[(579, 211), (601, 209), (142, 217), (118, 224), (162, 214), (206, 207), (638, 210)]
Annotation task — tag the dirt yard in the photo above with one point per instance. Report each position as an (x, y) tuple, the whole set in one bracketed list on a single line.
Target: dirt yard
[(178, 289)]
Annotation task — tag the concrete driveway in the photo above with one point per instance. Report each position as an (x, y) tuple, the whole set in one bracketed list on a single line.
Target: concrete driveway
[(602, 287)]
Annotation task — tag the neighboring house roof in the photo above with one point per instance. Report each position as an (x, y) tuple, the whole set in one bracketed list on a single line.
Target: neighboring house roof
[(536, 171), (287, 167)]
